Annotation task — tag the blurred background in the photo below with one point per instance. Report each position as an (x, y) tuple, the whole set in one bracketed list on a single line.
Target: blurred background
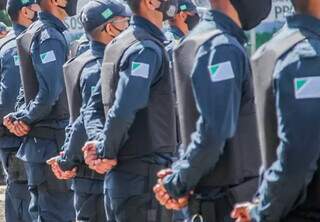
[(281, 8)]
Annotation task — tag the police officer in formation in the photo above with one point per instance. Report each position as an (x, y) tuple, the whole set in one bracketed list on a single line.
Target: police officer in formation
[(185, 20), (17, 197), (44, 50), (139, 135), (3, 30), (79, 46), (117, 95), (217, 113), (101, 21), (286, 73)]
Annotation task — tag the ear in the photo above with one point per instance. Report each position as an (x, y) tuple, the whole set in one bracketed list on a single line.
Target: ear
[(24, 11), (183, 15), (152, 4), (55, 2), (148, 4), (108, 28)]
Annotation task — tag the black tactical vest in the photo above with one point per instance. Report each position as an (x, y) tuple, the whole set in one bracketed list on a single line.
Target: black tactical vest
[(153, 130), (241, 156), (263, 64), (28, 73), (8, 38), (74, 47), (72, 73)]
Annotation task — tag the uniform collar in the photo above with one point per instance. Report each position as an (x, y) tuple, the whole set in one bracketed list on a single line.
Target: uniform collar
[(97, 47), (18, 29), (307, 22), (148, 26), (46, 17), (226, 24), (175, 30)]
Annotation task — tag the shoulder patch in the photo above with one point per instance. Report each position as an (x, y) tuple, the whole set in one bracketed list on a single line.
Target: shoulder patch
[(140, 69), (92, 89), (51, 33), (221, 71), (48, 57), (307, 87), (16, 60)]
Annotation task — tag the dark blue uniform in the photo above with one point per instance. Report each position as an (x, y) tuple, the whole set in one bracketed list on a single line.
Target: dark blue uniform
[(89, 197), (83, 44), (78, 46), (128, 191), (3, 27), (219, 78), (17, 196), (51, 200), (297, 95), (174, 35)]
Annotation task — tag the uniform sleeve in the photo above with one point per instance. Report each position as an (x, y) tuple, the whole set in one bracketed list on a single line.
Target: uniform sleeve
[(89, 79), (298, 104), (217, 80), (20, 104), (48, 63), (76, 134), (93, 114), (9, 86), (132, 94), (72, 147)]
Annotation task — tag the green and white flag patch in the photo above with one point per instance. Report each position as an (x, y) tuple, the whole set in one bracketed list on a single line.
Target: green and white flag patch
[(92, 89), (107, 13), (307, 87), (140, 69), (183, 7), (16, 60), (48, 57), (221, 71)]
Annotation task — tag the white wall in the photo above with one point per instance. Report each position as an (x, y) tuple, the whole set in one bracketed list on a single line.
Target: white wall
[(74, 23)]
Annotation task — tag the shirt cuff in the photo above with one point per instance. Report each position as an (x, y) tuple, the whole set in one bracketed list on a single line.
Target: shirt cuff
[(254, 214), (26, 120), (173, 187), (66, 164)]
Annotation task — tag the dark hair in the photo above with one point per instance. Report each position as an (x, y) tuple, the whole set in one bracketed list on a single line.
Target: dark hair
[(134, 5), (13, 13)]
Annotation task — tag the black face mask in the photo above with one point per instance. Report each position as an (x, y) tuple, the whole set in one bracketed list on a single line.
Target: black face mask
[(116, 28), (192, 21), (35, 17), (251, 12), (71, 7), (168, 9)]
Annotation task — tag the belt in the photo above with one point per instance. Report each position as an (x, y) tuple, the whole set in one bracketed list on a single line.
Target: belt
[(85, 172)]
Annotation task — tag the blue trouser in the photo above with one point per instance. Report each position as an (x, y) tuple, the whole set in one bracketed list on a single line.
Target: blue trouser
[(89, 207), (108, 208), (51, 199), (88, 200), (131, 197), (211, 211), (17, 197)]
